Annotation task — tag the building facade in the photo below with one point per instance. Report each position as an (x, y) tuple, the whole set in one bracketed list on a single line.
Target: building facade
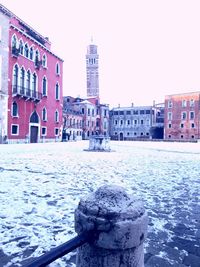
[(87, 117), (182, 116), (34, 89), (4, 56), (131, 123)]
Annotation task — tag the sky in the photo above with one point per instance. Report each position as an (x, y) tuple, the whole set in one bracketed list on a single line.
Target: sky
[(147, 49)]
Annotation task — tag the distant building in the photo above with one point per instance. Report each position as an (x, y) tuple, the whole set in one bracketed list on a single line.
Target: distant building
[(182, 116), (131, 123), (93, 115), (84, 117), (31, 83)]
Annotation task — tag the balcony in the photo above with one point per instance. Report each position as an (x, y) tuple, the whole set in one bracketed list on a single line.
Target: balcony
[(26, 93), (15, 51)]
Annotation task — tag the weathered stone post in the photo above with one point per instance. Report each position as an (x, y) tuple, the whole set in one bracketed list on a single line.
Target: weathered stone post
[(120, 223)]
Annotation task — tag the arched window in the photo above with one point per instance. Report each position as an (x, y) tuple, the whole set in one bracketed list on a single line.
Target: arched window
[(22, 81), (14, 109), (21, 47), (44, 61), (56, 116), (31, 53), (57, 69), (28, 83), (14, 41), (44, 114), (15, 78), (44, 86), (34, 85), (57, 91), (26, 51)]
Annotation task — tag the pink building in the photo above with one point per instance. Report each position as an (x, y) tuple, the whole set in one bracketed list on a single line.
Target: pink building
[(34, 93), (182, 116)]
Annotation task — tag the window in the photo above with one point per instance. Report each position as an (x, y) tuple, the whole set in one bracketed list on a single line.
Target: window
[(169, 115), (56, 131), (44, 61), (115, 113), (56, 116), (148, 111), (82, 111), (170, 104), (34, 84), (57, 91), (192, 136), (121, 122), (93, 112), (14, 129), (44, 114), (135, 112), (192, 125), (184, 115), (192, 103), (14, 41), (88, 111), (169, 136), (181, 136), (28, 83), (128, 122), (26, 51), (44, 86), (105, 112), (0, 32), (141, 111), (44, 131), (15, 78), (128, 112), (105, 125), (121, 113), (182, 125), (169, 125), (191, 115), (141, 133), (14, 109), (135, 122), (21, 47), (115, 122), (184, 103), (142, 122), (22, 81), (57, 69), (31, 53)]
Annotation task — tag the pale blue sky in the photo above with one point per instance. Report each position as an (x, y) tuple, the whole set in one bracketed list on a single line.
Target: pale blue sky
[(147, 49)]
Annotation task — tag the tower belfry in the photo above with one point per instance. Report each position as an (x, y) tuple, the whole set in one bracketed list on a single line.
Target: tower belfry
[(92, 68)]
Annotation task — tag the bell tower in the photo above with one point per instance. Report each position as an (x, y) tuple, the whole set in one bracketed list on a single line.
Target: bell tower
[(92, 68)]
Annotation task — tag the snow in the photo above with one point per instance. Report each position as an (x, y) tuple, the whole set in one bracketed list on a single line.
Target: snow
[(41, 185)]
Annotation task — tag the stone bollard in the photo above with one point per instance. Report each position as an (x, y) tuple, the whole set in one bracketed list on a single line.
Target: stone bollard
[(120, 224)]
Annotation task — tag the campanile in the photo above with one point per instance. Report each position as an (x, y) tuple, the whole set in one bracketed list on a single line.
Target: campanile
[(92, 68)]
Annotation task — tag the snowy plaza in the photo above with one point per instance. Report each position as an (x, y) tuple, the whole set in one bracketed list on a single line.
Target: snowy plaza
[(41, 185)]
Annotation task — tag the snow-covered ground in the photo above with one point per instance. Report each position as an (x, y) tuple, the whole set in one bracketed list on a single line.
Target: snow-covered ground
[(41, 185)]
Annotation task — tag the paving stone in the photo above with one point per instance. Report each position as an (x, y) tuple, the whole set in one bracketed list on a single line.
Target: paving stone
[(156, 261), (192, 261)]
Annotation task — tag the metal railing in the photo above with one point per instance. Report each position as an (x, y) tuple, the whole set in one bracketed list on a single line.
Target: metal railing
[(62, 250), (26, 92)]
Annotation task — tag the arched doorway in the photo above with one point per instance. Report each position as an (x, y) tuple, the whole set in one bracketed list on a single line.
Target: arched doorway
[(34, 127)]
